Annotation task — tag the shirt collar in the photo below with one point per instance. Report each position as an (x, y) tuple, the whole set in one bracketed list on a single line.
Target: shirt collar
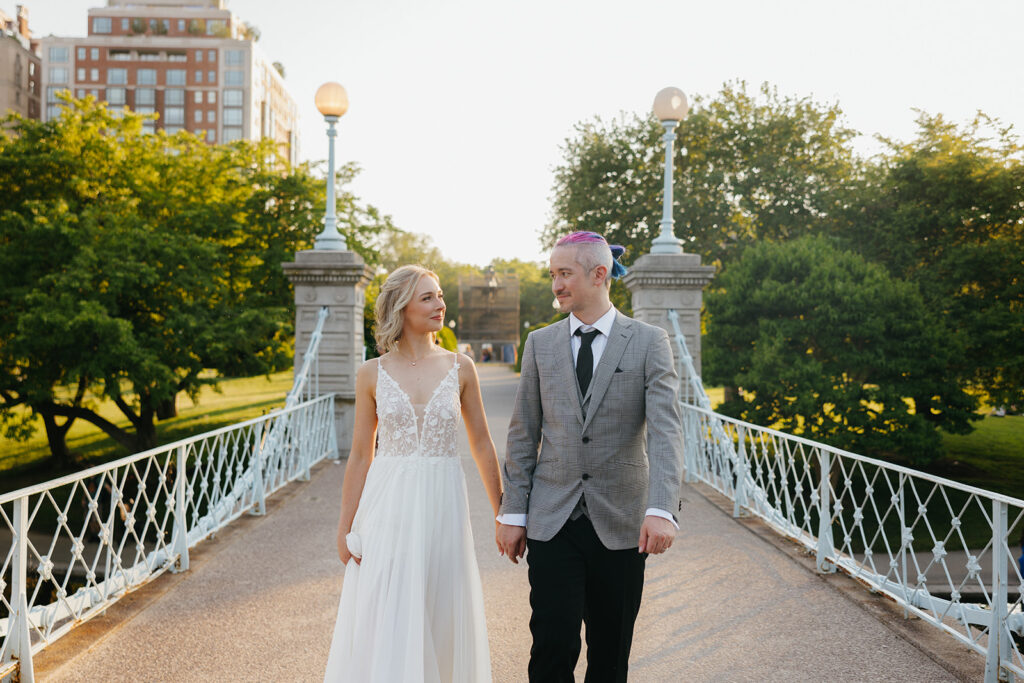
[(602, 324)]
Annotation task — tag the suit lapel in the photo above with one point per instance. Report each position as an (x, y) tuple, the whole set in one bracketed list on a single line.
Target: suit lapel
[(613, 350), (568, 367)]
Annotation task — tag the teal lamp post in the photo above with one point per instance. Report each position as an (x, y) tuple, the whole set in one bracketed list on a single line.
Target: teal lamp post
[(670, 107), (332, 101)]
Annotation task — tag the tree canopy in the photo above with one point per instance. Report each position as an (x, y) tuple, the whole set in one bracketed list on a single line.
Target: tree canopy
[(747, 168), (136, 266), (824, 344), (945, 211), (939, 220)]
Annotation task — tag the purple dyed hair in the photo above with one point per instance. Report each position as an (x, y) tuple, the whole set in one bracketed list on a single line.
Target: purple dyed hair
[(586, 237)]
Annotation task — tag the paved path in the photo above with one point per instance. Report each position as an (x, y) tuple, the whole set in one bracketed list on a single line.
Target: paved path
[(726, 603)]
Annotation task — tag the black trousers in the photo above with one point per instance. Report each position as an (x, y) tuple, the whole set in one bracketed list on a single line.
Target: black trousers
[(574, 579)]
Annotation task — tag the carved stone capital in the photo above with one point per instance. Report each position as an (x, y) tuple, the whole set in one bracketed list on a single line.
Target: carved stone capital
[(333, 268)]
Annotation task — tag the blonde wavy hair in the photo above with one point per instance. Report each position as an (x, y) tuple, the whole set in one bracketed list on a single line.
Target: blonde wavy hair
[(395, 294)]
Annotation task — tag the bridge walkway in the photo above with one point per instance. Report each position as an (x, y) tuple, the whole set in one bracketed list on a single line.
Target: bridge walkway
[(729, 602)]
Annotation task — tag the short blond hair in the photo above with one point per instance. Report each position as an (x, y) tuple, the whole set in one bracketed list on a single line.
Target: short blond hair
[(395, 294)]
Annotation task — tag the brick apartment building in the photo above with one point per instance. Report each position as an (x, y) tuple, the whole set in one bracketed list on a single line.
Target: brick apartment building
[(20, 67), (193, 62)]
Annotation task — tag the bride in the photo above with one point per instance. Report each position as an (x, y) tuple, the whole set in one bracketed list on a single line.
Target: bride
[(411, 604)]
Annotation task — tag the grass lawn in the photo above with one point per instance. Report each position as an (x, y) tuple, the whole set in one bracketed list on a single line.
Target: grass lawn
[(991, 457), (26, 463)]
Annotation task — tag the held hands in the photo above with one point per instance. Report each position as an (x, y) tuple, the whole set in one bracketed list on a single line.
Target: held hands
[(656, 535), (511, 541)]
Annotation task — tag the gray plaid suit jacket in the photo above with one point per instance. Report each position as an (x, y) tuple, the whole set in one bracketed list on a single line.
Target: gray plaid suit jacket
[(621, 445)]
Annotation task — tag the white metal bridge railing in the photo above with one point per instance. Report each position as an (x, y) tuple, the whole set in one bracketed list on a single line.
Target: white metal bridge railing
[(940, 549), (79, 543)]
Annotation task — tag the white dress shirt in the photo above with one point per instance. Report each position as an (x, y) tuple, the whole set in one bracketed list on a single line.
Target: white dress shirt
[(604, 326)]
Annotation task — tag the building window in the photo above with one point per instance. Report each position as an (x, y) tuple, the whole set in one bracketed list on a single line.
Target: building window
[(176, 57), (58, 75), (234, 77), (149, 127), (144, 110), (80, 93), (232, 98), (211, 55), (198, 115), (146, 76), (51, 94), (79, 75), (59, 55), (101, 24), (95, 93), (181, 25), (94, 53), (149, 56), (120, 55), (211, 77), (145, 96), (199, 76), (174, 97), (94, 74), (232, 134), (211, 116), (199, 97), (171, 130), (211, 136), (52, 111), (234, 57), (160, 27), (125, 24), (117, 76), (115, 96), (216, 27), (232, 117), (174, 116), (81, 53), (199, 55), (175, 77), (211, 97)]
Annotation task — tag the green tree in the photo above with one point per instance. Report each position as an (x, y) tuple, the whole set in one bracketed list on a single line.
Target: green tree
[(132, 265), (945, 211), (826, 345), (747, 168)]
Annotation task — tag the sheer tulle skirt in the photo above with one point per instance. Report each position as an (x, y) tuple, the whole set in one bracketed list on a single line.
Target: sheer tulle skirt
[(413, 610)]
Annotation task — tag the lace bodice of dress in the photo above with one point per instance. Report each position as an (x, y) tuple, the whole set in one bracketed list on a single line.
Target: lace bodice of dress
[(427, 430)]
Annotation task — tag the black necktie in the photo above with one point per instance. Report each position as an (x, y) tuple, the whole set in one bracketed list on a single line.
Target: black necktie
[(585, 358)]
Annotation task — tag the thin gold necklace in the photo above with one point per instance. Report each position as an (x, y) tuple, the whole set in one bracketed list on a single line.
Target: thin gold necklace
[(411, 362)]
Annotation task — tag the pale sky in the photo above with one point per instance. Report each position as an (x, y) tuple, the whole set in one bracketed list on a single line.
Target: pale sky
[(458, 108)]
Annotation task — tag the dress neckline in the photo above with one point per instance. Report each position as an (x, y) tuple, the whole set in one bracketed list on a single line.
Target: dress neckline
[(408, 399)]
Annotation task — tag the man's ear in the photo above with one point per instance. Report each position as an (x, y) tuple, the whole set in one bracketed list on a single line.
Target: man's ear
[(600, 274)]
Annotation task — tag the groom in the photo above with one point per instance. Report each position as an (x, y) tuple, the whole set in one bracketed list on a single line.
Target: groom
[(593, 467)]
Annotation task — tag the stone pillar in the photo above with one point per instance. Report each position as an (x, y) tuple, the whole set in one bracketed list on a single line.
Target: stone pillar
[(336, 279), (659, 282)]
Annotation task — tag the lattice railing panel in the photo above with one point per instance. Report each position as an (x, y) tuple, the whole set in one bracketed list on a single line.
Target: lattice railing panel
[(943, 550)]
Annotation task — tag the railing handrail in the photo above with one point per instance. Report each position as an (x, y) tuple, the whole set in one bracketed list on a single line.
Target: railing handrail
[(801, 489), (291, 403), (311, 357), (967, 488), (127, 521), (141, 455)]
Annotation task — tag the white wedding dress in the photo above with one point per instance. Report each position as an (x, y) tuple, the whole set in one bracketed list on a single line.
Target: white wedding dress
[(413, 610)]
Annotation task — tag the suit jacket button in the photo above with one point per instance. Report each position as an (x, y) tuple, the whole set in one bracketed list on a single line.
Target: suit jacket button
[(586, 439), (585, 476)]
